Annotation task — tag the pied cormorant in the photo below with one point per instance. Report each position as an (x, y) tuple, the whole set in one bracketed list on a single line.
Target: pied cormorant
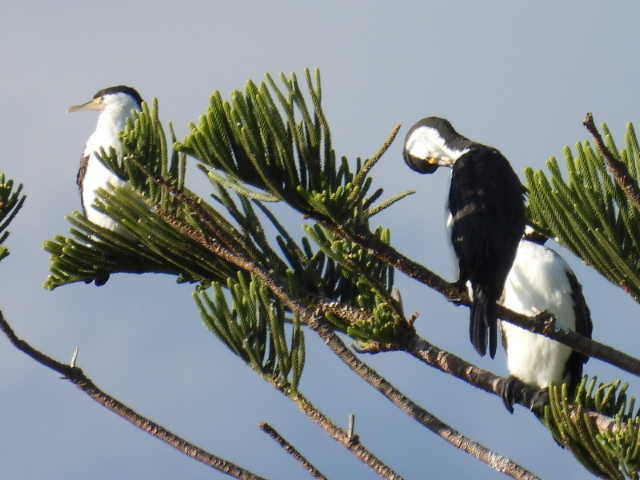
[(115, 105), (541, 281), (487, 215)]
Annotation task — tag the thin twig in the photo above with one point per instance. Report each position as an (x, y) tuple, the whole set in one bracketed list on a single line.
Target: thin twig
[(371, 161), (291, 450), (498, 462), (339, 434), (618, 169), (76, 376)]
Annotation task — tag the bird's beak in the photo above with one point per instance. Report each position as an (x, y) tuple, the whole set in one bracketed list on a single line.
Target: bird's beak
[(93, 104), (421, 165), (442, 161)]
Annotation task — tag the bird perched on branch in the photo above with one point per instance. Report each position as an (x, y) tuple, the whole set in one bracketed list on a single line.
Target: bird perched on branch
[(115, 105), (541, 281), (487, 215)]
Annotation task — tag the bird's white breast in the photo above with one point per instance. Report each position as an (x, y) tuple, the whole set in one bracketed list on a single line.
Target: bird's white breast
[(97, 175), (538, 282)]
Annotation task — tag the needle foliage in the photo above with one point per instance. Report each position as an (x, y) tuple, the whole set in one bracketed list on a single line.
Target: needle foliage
[(588, 212), (11, 201), (585, 209), (268, 144), (266, 153)]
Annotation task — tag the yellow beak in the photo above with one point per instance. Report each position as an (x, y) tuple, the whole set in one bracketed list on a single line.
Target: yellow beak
[(93, 104)]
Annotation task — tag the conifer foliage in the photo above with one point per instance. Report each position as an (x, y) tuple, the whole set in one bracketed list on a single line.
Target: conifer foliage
[(261, 287), (589, 212)]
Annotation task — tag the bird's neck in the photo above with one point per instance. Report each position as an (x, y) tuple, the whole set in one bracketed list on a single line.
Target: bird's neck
[(107, 134), (115, 118)]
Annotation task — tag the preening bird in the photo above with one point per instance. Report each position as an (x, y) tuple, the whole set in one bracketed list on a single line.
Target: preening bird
[(115, 105), (487, 215), (540, 280)]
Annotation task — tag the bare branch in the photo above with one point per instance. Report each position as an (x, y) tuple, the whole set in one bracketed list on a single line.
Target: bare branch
[(352, 444), (76, 376), (486, 380), (422, 416), (291, 450), (618, 169)]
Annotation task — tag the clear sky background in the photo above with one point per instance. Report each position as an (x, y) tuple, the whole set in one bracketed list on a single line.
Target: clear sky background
[(516, 75)]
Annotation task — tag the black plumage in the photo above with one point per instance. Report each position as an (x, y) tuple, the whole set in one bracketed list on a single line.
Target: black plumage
[(487, 215), (486, 205)]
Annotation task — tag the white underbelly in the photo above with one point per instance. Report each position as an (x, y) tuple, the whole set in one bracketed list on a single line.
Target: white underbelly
[(98, 176)]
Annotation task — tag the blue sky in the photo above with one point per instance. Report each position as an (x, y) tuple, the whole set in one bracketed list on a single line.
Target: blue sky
[(516, 75)]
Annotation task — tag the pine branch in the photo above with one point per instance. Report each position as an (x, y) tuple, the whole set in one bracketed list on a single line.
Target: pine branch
[(618, 168), (422, 416), (543, 324), (610, 449), (451, 364), (11, 201), (353, 444), (318, 417), (76, 376), (268, 138), (291, 450), (314, 318), (591, 209)]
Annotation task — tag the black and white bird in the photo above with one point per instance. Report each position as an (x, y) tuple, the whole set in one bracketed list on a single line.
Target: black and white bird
[(541, 281), (486, 202), (116, 105)]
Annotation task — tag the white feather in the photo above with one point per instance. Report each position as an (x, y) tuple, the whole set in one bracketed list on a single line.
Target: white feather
[(538, 282), (425, 142)]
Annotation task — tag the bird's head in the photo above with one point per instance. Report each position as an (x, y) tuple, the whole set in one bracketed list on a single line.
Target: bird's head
[(433, 143), (116, 99)]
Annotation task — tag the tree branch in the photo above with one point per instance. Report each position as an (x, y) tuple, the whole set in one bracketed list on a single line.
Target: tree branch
[(422, 416), (279, 291), (291, 450), (486, 380), (314, 318), (618, 169), (543, 323), (76, 376)]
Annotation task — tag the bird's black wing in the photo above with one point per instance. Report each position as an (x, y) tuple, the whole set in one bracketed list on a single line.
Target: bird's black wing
[(486, 203), (487, 208), (84, 161), (584, 326)]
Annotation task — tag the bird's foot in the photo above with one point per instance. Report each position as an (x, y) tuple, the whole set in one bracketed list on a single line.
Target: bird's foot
[(509, 391), (539, 401), (459, 293)]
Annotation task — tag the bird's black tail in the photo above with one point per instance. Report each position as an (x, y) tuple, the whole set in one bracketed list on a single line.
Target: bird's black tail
[(483, 318)]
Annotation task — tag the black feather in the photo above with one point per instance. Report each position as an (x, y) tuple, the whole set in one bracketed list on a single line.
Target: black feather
[(487, 208)]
